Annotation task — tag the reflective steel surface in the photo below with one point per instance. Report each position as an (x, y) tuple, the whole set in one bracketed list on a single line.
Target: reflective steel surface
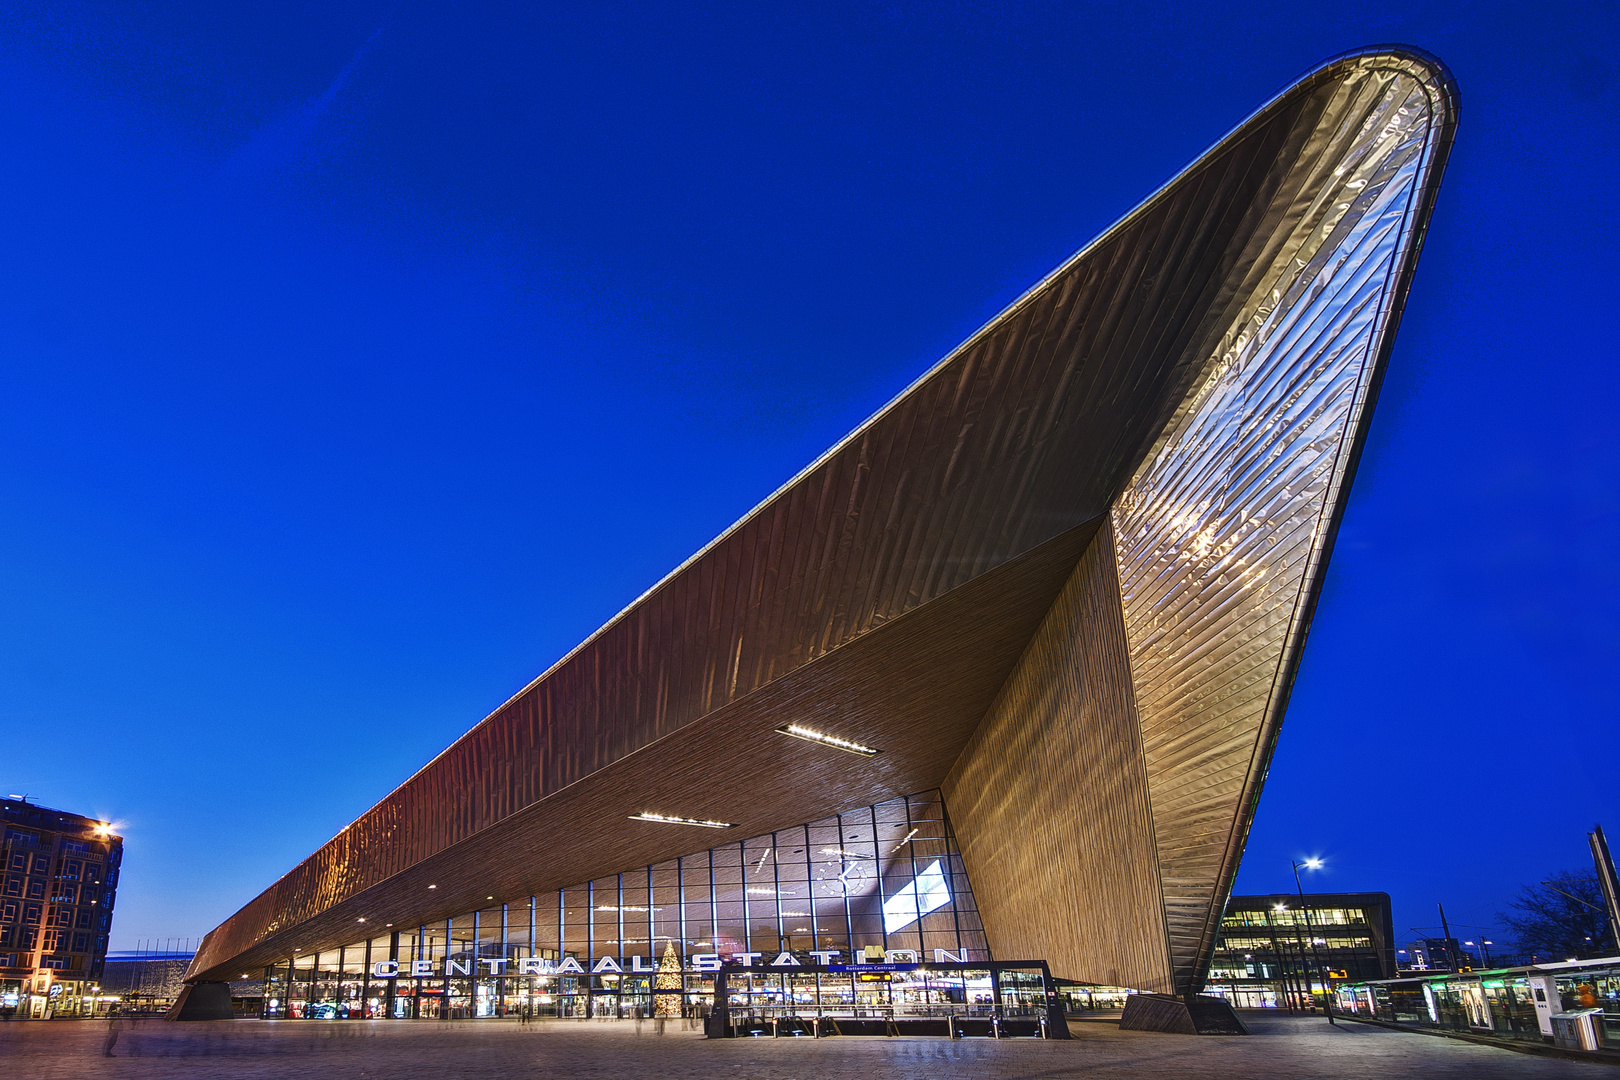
[(1220, 537), (1199, 373)]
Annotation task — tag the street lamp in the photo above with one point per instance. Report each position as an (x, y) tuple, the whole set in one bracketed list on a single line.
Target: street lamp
[(1314, 863)]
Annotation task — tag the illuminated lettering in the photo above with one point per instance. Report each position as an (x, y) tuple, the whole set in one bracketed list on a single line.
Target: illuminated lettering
[(495, 964), (707, 961), (570, 965), (637, 965), (458, 967), (385, 969), (746, 958), (534, 965), (786, 959), (607, 963), (825, 956), (421, 968)]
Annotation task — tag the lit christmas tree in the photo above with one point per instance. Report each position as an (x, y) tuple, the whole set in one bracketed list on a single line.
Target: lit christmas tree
[(668, 978)]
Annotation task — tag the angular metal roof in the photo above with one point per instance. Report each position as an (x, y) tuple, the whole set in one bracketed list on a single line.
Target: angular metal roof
[(1190, 388)]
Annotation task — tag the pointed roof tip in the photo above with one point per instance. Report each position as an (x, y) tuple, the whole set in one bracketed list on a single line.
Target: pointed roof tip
[(1434, 69)]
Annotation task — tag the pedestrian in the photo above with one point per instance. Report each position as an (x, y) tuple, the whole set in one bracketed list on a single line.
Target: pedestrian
[(115, 1024)]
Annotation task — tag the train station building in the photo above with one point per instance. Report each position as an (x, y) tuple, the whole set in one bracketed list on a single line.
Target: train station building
[(993, 682)]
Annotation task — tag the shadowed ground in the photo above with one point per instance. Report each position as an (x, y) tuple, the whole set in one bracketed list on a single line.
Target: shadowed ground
[(252, 1049)]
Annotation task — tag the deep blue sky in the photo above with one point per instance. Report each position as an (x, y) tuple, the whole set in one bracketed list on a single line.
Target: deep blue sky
[(358, 359)]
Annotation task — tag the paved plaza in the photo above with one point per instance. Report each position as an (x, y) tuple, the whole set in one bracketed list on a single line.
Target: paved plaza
[(1296, 1049)]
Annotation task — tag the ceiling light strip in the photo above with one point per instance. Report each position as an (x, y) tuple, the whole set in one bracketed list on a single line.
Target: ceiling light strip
[(667, 819), (799, 731)]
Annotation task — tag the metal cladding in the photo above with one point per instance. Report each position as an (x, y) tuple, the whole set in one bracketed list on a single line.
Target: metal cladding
[(1121, 490), (1216, 549)]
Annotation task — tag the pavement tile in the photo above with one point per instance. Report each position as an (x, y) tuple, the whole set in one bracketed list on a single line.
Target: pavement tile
[(1281, 1048)]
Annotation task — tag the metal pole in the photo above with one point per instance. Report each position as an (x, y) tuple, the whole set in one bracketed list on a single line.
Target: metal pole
[(721, 1020), (1445, 928), (1327, 987), (1607, 879)]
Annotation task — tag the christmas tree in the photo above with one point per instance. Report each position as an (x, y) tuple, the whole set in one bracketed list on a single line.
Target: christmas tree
[(668, 978)]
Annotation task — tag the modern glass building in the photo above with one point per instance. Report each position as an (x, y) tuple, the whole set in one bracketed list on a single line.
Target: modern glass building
[(995, 680), (1286, 952)]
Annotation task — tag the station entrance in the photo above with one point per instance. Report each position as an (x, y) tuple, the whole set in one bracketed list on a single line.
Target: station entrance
[(996, 999)]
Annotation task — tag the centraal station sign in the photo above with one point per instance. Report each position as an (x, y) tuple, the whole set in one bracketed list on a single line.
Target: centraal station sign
[(537, 966)]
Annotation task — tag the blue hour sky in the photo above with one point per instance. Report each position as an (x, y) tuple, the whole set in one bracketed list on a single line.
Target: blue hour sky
[(357, 359)]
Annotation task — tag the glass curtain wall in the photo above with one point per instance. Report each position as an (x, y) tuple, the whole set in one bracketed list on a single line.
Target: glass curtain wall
[(879, 881)]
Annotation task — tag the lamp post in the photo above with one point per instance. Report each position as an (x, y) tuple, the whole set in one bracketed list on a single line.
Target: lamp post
[(1327, 986)]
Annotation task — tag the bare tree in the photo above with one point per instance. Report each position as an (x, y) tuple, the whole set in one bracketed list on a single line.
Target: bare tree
[(1562, 917)]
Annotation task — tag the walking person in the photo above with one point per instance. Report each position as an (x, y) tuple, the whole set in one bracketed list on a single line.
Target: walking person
[(115, 1024)]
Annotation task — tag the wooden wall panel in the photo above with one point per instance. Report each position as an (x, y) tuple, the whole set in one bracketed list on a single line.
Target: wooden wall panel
[(1050, 799)]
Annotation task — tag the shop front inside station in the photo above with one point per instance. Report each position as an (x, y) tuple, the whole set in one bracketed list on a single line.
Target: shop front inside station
[(865, 914)]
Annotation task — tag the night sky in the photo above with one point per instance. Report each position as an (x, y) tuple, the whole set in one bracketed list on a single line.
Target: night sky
[(359, 359)]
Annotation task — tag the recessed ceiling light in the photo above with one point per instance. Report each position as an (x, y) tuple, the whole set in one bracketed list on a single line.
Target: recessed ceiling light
[(799, 731), (668, 819)]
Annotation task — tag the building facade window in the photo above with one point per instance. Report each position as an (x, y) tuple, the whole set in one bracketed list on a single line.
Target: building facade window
[(879, 882)]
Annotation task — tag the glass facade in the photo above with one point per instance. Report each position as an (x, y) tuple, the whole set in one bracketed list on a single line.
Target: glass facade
[(884, 882), (1275, 952)]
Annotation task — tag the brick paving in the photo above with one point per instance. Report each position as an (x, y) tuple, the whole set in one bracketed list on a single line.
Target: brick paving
[(1295, 1049)]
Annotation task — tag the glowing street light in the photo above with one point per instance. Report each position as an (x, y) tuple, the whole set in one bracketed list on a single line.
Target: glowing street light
[(1314, 863)]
